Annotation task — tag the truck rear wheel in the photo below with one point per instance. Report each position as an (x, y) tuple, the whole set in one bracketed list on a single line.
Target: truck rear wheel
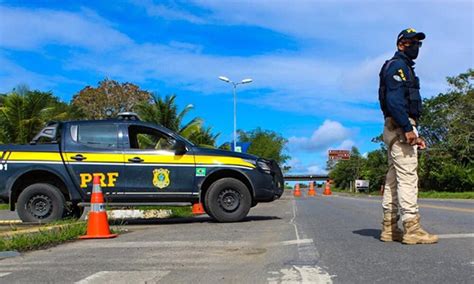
[(40, 202), (228, 200)]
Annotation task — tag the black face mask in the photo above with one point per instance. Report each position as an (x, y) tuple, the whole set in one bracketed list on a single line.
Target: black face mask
[(412, 51)]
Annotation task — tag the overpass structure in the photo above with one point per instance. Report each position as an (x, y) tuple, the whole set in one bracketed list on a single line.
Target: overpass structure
[(305, 177)]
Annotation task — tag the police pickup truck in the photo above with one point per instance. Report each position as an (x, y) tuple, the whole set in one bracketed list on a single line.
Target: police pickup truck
[(137, 163)]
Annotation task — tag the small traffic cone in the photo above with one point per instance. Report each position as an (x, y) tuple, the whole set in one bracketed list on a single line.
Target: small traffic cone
[(297, 192), (97, 225), (311, 191), (198, 209), (327, 189)]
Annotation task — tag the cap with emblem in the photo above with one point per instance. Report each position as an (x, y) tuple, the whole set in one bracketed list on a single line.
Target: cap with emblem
[(410, 34)]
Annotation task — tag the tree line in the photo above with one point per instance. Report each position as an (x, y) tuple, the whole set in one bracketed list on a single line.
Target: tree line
[(23, 113), (447, 125)]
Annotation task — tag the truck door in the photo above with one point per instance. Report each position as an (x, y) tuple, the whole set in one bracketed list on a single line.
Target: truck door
[(93, 149), (153, 169)]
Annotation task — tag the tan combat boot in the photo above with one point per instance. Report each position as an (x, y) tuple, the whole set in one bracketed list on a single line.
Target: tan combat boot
[(414, 234), (390, 230)]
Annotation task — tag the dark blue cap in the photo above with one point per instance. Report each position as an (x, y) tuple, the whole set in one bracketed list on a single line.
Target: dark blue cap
[(410, 33)]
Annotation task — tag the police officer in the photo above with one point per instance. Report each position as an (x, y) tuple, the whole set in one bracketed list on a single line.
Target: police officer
[(400, 101)]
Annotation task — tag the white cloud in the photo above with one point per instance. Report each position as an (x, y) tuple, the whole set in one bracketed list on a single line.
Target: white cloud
[(167, 12), (315, 169), (346, 145), (32, 29), (342, 85), (14, 74), (328, 134), (298, 167)]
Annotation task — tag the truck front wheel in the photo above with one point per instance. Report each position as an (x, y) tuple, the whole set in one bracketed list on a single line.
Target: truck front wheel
[(40, 202), (228, 200)]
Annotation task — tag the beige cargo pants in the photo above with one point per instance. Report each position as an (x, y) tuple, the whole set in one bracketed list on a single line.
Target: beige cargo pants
[(401, 182)]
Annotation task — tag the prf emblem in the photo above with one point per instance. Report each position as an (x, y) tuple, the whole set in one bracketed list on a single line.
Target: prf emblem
[(161, 178), (105, 179)]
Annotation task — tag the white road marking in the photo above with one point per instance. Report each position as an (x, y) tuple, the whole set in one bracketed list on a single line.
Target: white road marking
[(4, 274), (313, 275), (292, 221), (307, 253), (165, 244), (455, 236), (296, 242), (189, 244), (117, 277), (299, 274)]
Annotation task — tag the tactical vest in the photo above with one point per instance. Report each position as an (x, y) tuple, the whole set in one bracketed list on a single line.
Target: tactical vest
[(412, 92)]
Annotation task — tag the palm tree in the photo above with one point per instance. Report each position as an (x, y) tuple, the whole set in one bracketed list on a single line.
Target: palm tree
[(165, 112), (23, 113), (205, 137)]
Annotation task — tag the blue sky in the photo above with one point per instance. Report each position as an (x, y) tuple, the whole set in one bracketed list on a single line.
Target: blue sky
[(314, 63)]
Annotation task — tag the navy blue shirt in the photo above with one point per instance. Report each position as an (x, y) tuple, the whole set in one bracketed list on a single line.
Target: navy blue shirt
[(402, 98)]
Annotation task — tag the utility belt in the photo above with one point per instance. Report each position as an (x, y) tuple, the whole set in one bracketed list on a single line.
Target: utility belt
[(392, 125)]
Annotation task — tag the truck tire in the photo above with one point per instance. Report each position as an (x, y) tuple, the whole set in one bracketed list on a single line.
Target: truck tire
[(228, 200), (73, 211), (41, 202)]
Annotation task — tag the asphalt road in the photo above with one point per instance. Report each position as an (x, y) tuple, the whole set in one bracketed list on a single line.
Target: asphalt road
[(320, 239)]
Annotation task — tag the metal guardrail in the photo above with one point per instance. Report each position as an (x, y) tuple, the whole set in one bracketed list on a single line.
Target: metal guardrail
[(305, 177)]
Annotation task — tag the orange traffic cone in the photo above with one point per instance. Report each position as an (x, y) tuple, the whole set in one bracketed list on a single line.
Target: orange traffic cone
[(311, 191), (327, 189), (198, 209), (297, 192), (97, 225)]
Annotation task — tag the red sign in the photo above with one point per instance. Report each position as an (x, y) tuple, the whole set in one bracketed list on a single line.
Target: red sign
[(339, 154)]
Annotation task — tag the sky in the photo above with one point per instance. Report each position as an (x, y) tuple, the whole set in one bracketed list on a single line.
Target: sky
[(314, 64)]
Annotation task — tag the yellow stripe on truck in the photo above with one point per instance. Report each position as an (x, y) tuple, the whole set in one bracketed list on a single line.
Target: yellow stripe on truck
[(35, 156), (96, 157), (121, 158), (222, 160)]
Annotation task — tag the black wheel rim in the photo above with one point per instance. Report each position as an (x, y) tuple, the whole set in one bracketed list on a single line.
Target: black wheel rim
[(40, 206), (229, 200)]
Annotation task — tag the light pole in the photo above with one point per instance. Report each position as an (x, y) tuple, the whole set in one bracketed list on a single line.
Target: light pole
[(244, 81)]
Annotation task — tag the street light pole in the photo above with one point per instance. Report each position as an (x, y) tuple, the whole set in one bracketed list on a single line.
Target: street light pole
[(235, 116), (234, 91)]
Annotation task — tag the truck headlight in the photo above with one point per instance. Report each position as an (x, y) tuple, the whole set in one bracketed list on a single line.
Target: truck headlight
[(264, 166)]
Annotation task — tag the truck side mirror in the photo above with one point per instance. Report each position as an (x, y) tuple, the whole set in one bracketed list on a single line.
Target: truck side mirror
[(180, 148)]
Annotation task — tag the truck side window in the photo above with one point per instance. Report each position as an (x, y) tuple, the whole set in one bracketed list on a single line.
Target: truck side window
[(96, 135), (145, 138)]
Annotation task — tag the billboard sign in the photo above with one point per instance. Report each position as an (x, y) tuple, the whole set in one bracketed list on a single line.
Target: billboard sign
[(339, 154)]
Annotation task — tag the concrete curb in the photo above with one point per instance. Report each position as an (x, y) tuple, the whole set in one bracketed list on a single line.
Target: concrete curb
[(10, 222), (35, 230), (138, 214), (121, 214)]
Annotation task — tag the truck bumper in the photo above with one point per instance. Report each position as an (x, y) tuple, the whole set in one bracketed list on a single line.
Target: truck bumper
[(276, 185)]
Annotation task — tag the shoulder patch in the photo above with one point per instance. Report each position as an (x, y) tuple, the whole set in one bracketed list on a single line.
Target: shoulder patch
[(402, 75), (397, 78)]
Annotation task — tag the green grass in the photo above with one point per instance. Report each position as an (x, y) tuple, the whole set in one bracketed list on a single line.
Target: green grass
[(421, 194), (42, 239), (446, 195), (4, 206)]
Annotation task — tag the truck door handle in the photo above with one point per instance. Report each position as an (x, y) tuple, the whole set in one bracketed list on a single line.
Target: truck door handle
[(136, 160), (78, 157)]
